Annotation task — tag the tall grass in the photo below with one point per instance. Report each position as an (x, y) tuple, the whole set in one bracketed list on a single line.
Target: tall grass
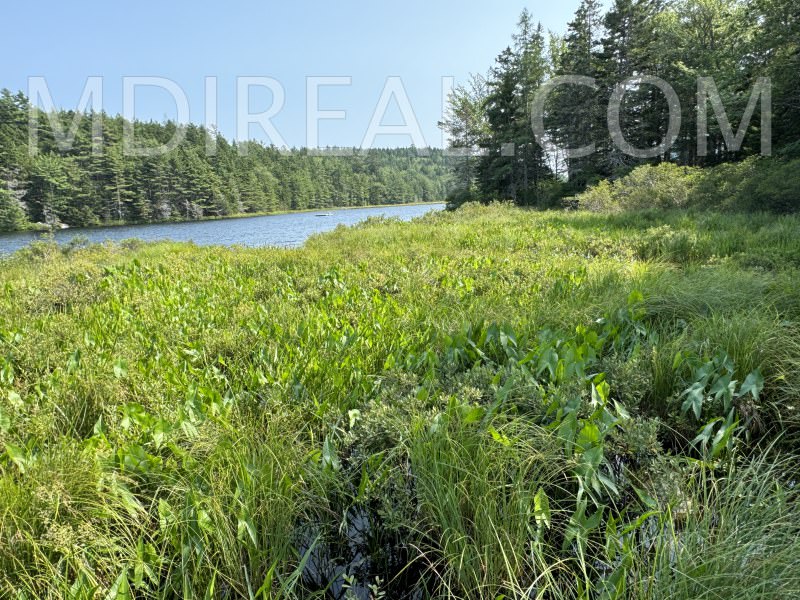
[(739, 538), (477, 493)]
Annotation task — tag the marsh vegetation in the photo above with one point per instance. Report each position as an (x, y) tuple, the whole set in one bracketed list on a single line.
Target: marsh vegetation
[(486, 403)]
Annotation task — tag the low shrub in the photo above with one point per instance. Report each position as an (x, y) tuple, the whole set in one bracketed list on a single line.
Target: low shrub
[(756, 184), (770, 185), (651, 186)]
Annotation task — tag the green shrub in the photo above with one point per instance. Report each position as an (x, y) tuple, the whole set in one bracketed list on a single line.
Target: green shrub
[(662, 186), (754, 185), (600, 198), (719, 186), (772, 186), (650, 186), (462, 196)]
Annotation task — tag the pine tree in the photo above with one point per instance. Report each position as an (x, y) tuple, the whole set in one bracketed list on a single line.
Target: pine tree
[(51, 189), (580, 117), (498, 171), (12, 217), (533, 70), (627, 52), (775, 52)]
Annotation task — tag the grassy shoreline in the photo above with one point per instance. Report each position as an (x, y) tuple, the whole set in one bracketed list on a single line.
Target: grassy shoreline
[(480, 402), (40, 228)]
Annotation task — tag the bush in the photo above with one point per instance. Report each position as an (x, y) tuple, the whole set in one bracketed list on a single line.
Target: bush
[(600, 198), (756, 184), (660, 186), (770, 185), (719, 186), (462, 196)]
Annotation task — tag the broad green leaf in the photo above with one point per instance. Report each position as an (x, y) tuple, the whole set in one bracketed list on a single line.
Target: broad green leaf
[(753, 385), (646, 499), (18, 456), (695, 396), (723, 387), (566, 431), (592, 457), (600, 393), (330, 458), (608, 483), (593, 522), (246, 529), (15, 400), (121, 590), (635, 297), (120, 369), (588, 437), (473, 414)]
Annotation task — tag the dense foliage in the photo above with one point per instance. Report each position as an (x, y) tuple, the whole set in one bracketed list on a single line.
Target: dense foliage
[(755, 184), (78, 188), (734, 41), (485, 403)]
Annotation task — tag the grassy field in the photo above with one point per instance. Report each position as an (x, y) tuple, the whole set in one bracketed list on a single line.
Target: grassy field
[(489, 403)]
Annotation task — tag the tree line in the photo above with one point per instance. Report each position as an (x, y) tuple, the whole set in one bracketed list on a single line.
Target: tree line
[(734, 41), (80, 188)]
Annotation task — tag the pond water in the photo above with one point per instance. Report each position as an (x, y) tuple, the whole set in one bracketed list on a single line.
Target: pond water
[(289, 230)]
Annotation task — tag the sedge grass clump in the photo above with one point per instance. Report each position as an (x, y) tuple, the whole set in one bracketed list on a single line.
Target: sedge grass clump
[(482, 494), (732, 534)]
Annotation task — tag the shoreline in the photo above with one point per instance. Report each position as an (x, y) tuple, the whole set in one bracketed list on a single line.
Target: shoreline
[(114, 224)]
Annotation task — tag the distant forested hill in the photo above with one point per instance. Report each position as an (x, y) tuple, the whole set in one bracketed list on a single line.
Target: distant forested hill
[(78, 188)]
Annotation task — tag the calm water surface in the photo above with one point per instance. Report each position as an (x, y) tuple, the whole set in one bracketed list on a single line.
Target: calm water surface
[(289, 230)]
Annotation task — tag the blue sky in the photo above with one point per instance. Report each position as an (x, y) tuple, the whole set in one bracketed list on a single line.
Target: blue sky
[(420, 41)]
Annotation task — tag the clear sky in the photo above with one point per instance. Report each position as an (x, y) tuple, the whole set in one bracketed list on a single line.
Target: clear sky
[(420, 41)]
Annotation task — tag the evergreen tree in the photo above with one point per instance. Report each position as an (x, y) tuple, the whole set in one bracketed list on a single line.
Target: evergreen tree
[(51, 188), (533, 70), (626, 52), (580, 117), (775, 53), (12, 217), (498, 172)]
